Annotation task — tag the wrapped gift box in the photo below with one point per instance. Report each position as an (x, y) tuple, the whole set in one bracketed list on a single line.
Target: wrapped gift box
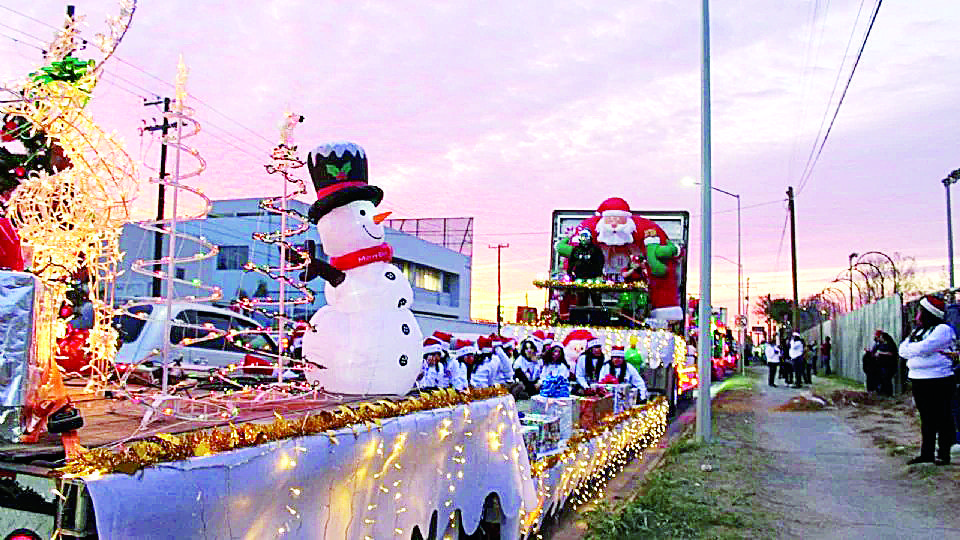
[(530, 436), (567, 408), (619, 393), (19, 376), (592, 409), (548, 430)]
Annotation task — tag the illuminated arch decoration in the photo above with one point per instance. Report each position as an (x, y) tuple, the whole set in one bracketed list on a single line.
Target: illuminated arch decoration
[(71, 216)]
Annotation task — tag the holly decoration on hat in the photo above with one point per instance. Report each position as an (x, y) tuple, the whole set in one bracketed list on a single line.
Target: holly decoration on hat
[(340, 173)]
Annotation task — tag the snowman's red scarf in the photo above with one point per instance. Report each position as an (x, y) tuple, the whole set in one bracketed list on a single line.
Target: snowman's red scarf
[(381, 253)]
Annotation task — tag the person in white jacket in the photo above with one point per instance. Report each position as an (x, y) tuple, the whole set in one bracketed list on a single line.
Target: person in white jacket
[(589, 364), (437, 373), (798, 360), (624, 372), (772, 353), (473, 370), (931, 375)]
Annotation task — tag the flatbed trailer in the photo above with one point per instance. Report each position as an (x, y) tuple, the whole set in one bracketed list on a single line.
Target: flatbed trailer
[(441, 464)]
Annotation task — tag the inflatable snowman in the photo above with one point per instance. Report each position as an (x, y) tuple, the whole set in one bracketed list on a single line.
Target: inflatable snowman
[(365, 340)]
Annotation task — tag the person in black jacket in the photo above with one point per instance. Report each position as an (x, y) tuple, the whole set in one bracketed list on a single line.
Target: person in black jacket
[(880, 363)]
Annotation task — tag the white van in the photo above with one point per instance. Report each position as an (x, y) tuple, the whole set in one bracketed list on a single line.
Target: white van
[(140, 338)]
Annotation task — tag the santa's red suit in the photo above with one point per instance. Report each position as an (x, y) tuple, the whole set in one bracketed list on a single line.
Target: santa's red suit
[(664, 291)]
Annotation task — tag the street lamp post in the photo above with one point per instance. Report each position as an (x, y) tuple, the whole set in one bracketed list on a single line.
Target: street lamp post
[(689, 181), (739, 269), (951, 178)]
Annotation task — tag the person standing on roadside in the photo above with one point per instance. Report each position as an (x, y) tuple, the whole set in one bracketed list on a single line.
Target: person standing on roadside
[(772, 353), (796, 358), (931, 375), (825, 355)]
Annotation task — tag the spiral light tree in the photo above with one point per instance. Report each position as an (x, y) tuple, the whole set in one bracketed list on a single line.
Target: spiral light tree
[(165, 403), (70, 215), (292, 258)]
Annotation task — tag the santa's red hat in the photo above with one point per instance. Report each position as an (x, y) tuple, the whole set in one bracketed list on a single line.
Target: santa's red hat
[(577, 335), (549, 339), (537, 337), (617, 351), (432, 345), (463, 347), (485, 344), (614, 206)]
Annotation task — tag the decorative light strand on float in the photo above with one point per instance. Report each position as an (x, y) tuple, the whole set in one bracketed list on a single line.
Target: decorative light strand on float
[(285, 159), (71, 219)]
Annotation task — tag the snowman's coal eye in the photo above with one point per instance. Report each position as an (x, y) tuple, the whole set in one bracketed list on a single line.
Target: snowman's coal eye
[(363, 212)]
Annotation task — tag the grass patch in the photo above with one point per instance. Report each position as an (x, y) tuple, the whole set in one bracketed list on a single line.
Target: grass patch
[(700, 490)]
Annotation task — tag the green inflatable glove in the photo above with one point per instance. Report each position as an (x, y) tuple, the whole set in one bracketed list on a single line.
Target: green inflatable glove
[(655, 252), (564, 249), (635, 359)]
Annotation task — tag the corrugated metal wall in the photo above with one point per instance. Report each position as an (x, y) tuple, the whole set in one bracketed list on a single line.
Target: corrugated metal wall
[(851, 332)]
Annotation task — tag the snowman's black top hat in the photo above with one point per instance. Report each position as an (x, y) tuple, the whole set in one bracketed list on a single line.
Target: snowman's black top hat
[(339, 174)]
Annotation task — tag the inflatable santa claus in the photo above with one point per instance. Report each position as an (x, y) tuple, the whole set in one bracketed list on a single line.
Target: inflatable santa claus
[(622, 235)]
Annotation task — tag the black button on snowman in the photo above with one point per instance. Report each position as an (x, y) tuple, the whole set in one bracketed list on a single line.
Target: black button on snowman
[(367, 324)]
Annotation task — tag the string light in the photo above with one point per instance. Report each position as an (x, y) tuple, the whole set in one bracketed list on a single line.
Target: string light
[(71, 218)]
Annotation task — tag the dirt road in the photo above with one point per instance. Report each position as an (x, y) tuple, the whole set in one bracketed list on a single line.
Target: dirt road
[(831, 481)]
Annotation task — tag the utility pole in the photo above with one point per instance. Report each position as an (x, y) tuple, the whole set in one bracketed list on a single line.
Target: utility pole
[(498, 247), (161, 188), (793, 258)]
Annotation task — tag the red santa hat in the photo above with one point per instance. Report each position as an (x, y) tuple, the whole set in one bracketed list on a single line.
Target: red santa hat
[(579, 334), (593, 342), (614, 206), (510, 343), (432, 345), (538, 337), (935, 306), (444, 338), (617, 351), (485, 344), (463, 347), (548, 339)]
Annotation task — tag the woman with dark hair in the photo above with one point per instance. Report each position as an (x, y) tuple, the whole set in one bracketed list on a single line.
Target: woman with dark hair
[(554, 363), (527, 366), (880, 363), (931, 375)]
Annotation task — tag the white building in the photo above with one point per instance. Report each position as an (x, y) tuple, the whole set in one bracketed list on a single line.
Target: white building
[(439, 275)]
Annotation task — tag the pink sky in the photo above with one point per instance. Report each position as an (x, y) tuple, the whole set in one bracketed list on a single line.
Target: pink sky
[(505, 112)]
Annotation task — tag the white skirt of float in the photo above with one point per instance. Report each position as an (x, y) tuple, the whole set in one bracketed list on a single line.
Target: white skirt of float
[(366, 352)]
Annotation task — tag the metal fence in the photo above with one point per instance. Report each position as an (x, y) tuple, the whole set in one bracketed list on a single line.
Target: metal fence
[(851, 332)]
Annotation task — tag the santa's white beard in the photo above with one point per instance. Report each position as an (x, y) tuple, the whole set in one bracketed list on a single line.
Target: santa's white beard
[(620, 236)]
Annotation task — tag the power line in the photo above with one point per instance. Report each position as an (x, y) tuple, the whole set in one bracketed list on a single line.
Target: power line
[(833, 91), (856, 62)]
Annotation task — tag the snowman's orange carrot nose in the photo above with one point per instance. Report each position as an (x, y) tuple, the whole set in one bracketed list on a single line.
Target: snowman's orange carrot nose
[(380, 217)]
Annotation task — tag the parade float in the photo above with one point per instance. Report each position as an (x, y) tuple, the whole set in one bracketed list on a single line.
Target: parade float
[(620, 276), (337, 444)]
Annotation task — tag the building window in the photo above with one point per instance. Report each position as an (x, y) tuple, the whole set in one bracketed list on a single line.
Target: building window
[(180, 273), (232, 257)]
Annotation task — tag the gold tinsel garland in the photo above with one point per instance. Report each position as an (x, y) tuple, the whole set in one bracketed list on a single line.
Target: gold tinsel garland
[(607, 423), (162, 448)]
